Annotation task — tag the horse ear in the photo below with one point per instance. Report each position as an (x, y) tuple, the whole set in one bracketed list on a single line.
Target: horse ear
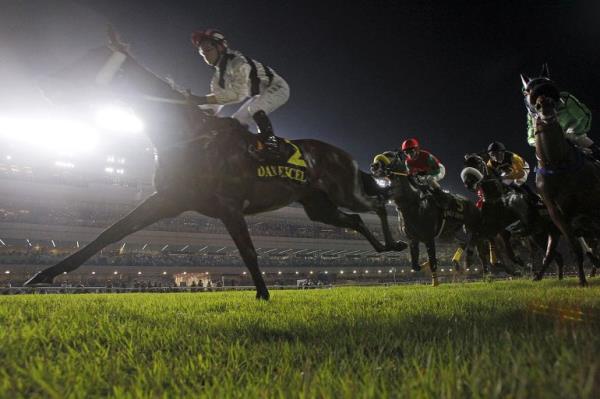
[(545, 71), (524, 80)]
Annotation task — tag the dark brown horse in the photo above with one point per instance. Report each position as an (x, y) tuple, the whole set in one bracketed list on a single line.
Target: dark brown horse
[(204, 165), (568, 182), (422, 218)]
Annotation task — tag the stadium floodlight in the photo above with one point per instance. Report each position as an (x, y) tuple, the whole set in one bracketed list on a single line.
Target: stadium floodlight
[(442, 269), (475, 269), (244, 273), (2, 242), (8, 157), (53, 244), (57, 135), (391, 271), (326, 272), (109, 170), (378, 271), (184, 273), (468, 269), (341, 272), (7, 272), (116, 272), (164, 273), (449, 270), (263, 272), (366, 271), (118, 119), (93, 272), (353, 271), (139, 273), (311, 272), (412, 270), (279, 272), (64, 272)]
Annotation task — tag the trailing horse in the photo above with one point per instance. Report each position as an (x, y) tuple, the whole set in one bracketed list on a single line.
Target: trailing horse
[(204, 165), (568, 182), (424, 219)]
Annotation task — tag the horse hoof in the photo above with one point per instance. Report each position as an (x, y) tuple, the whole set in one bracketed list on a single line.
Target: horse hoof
[(39, 280), (263, 295), (434, 282), (400, 246)]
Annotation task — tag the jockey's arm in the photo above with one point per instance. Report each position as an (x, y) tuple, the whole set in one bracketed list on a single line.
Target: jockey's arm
[(434, 168), (236, 82), (579, 118)]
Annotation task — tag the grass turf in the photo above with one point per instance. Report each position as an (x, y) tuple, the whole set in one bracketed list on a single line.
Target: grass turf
[(483, 340)]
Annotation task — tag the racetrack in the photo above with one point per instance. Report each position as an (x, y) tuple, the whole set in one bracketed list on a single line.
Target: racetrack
[(512, 338)]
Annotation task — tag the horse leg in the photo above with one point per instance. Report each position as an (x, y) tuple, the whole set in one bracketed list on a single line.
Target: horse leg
[(414, 254), (154, 208), (430, 245), (591, 256), (549, 256), (505, 236), (560, 222), (319, 208), (390, 244), (238, 230)]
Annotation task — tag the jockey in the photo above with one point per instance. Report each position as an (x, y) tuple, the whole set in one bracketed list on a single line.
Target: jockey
[(574, 117), (421, 163), (510, 168), (238, 78)]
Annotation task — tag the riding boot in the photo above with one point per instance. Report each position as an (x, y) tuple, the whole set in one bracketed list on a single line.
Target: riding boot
[(266, 135)]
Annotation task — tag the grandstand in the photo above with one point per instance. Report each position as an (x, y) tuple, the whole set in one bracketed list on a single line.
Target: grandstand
[(49, 207)]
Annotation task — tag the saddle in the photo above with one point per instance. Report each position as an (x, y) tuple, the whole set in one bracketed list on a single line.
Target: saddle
[(287, 164)]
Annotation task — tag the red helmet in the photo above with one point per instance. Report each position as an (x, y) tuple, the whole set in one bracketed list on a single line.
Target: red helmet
[(410, 143), (208, 34)]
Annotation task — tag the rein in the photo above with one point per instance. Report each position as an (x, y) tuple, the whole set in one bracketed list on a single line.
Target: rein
[(567, 167)]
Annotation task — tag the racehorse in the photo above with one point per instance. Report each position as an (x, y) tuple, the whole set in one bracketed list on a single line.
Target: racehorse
[(203, 164), (424, 219), (505, 210), (568, 182)]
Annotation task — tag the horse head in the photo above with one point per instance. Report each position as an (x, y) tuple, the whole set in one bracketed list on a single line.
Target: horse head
[(541, 95)]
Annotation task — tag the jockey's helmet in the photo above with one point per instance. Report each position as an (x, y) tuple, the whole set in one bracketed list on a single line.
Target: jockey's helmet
[(208, 34), (410, 144), (410, 148), (496, 146)]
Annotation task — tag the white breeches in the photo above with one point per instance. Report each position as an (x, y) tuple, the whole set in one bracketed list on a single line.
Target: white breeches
[(271, 98)]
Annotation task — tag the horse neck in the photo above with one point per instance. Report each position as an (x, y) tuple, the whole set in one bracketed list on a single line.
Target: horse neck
[(167, 123), (551, 146), (406, 196)]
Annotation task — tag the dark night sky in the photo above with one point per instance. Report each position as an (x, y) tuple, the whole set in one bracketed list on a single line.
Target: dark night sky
[(362, 77)]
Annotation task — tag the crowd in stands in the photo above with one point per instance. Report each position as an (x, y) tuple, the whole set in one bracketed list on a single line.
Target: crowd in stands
[(165, 259), (103, 215)]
